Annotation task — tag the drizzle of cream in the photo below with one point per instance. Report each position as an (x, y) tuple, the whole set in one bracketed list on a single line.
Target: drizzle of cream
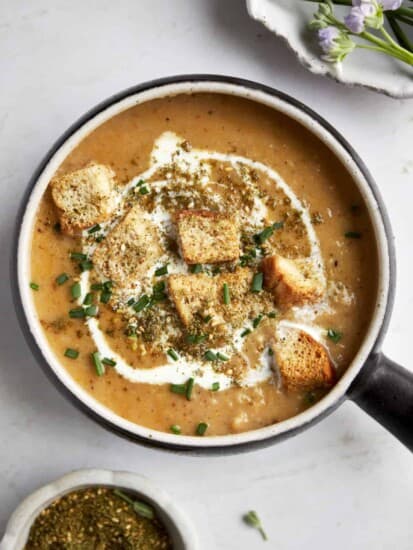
[(167, 149)]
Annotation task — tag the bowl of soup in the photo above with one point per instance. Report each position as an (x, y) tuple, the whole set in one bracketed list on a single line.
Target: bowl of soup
[(203, 262), (99, 509)]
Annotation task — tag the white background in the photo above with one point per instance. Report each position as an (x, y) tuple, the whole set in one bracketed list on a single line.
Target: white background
[(345, 483)]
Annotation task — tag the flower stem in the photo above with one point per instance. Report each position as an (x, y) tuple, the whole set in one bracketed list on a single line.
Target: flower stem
[(399, 32), (389, 48)]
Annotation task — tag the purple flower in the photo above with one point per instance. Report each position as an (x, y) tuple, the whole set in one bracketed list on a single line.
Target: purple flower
[(327, 37), (355, 20), (391, 4)]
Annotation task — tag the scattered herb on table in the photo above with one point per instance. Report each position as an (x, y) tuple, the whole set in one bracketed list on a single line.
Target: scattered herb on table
[(251, 518)]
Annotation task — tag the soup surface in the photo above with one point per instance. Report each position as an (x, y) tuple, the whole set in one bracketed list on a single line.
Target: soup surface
[(220, 273)]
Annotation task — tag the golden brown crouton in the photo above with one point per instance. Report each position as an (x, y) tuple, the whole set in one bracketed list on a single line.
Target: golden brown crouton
[(84, 197), (192, 295), (289, 284), (200, 296), (129, 250), (207, 237), (303, 363)]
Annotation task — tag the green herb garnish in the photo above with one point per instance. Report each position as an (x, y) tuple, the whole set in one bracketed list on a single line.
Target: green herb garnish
[(91, 311), (175, 429), (334, 335), (86, 265), (141, 508), (143, 190), (178, 388), (209, 355), (141, 303), (62, 278), (266, 233), (272, 314), (77, 313), (201, 428), (257, 282), (75, 290), (189, 388), (226, 295), (71, 353), (109, 362), (352, 235), (222, 357), (88, 300), (97, 286), (195, 338), (245, 332), (257, 321), (196, 268), (161, 271), (172, 354), (215, 386), (251, 518), (105, 296), (99, 367), (94, 229), (34, 286), (78, 256)]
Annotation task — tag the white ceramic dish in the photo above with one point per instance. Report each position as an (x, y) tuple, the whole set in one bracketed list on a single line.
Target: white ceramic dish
[(179, 527), (289, 20)]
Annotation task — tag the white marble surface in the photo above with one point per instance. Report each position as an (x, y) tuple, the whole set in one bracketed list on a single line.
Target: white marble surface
[(345, 483)]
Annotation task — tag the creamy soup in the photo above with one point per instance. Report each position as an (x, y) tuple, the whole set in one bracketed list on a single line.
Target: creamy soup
[(221, 273)]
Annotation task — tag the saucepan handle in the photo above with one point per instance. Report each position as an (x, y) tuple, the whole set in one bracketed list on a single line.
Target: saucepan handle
[(384, 390)]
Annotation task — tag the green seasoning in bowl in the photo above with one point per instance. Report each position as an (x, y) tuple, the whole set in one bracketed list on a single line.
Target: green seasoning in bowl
[(98, 518)]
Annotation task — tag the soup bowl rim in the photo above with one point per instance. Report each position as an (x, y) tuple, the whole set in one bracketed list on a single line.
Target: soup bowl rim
[(197, 84)]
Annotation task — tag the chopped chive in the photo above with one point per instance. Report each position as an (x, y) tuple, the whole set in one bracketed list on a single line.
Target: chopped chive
[(178, 388), (209, 355), (175, 429), (215, 386), (72, 353), (245, 332), (79, 256), (94, 229), (161, 271), (270, 352), (143, 509), (131, 301), (34, 286), (143, 190), (62, 278), (99, 238), (77, 313), (88, 300), (141, 303), (252, 519), (201, 428), (226, 295), (140, 182), (196, 268), (91, 311), (189, 388), (107, 285), (352, 235), (97, 286), (207, 318), (334, 335), (86, 265), (75, 290), (222, 357), (272, 314), (100, 368), (172, 354), (257, 282), (105, 296), (195, 338), (257, 320), (267, 232), (109, 362), (159, 287)]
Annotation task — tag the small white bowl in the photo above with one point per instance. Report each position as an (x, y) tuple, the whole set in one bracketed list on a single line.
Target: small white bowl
[(179, 527)]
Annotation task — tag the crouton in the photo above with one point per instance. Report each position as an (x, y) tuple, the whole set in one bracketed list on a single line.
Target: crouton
[(84, 197), (207, 237), (200, 296), (129, 250), (302, 362), (192, 295), (289, 283)]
